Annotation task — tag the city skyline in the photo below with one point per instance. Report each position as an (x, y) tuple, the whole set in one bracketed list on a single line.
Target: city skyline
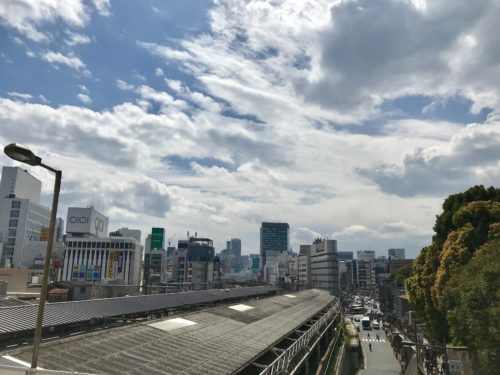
[(199, 116)]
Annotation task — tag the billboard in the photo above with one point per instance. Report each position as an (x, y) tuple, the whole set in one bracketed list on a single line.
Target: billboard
[(116, 269), (157, 238), (44, 234), (86, 221)]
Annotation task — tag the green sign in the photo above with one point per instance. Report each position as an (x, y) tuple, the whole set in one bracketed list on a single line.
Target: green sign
[(157, 236)]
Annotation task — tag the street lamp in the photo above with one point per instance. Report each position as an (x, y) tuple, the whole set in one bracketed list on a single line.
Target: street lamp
[(25, 155)]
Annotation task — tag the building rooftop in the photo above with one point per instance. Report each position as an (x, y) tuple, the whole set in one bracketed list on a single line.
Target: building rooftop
[(214, 341)]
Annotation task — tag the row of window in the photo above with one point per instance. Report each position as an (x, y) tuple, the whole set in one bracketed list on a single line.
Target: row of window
[(101, 245), (16, 204)]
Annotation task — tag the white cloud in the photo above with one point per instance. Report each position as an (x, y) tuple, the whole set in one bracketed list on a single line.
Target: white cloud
[(25, 16), (103, 7), (124, 86), (57, 58), (75, 39), (159, 72), (84, 98), (19, 95)]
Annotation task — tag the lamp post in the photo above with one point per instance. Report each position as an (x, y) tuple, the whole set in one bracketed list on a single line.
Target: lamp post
[(24, 155)]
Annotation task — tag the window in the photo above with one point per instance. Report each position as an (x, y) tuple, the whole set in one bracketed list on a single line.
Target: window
[(122, 245), (12, 232), (112, 245), (11, 241), (16, 204), (93, 245), (82, 289), (14, 213), (107, 245), (13, 223)]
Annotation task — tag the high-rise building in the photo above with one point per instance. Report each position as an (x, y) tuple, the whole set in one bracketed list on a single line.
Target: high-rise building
[(365, 276), (236, 250), (19, 183), (200, 263), (22, 217), (304, 277), (396, 254), (274, 237), (324, 269)]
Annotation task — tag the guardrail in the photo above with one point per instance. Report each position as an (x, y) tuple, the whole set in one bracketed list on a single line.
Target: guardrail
[(281, 363)]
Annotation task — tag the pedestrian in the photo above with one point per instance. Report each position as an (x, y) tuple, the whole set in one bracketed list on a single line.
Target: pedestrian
[(378, 337), (370, 346), (368, 335)]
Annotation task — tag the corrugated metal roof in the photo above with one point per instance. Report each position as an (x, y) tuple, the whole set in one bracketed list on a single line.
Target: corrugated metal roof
[(221, 342), (21, 318)]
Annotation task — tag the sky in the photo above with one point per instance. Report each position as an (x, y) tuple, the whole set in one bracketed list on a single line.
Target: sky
[(350, 120)]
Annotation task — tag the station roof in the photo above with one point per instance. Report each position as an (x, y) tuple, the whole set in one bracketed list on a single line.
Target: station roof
[(22, 318), (214, 341)]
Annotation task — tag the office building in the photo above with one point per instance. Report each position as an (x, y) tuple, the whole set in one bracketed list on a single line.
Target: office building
[(91, 256), (324, 269), (22, 217), (303, 259), (274, 237), (365, 276), (200, 263), (19, 183), (235, 249), (366, 255), (396, 254)]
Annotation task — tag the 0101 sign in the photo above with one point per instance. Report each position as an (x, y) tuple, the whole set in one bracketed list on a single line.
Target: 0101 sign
[(78, 219)]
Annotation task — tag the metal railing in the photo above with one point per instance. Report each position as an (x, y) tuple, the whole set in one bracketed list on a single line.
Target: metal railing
[(281, 363)]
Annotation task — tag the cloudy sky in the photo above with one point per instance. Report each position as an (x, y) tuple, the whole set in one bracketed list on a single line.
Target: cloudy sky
[(346, 119)]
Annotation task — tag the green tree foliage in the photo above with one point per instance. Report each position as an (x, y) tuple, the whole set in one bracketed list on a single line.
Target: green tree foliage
[(466, 223), (472, 301), (403, 273)]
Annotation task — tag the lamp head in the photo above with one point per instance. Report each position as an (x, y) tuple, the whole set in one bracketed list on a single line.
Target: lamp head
[(21, 153)]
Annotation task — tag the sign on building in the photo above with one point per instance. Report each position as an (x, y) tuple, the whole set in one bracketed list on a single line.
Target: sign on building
[(157, 238), (86, 221)]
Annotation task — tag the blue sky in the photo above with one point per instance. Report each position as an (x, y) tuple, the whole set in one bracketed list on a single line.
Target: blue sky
[(347, 119)]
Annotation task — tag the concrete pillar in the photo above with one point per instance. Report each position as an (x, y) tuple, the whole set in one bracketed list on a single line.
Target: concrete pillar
[(307, 366)]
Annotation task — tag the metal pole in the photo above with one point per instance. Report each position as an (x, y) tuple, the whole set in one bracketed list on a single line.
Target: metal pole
[(46, 267)]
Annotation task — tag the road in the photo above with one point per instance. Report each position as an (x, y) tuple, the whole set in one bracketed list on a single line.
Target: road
[(380, 360)]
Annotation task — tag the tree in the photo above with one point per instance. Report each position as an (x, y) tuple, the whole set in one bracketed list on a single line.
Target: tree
[(472, 301), (461, 229)]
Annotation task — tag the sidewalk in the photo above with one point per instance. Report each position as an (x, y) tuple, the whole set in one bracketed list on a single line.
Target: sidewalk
[(381, 359)]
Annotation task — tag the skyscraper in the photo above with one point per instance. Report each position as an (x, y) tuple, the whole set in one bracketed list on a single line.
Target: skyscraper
[(274, 237), (236, 250), (21, 214)]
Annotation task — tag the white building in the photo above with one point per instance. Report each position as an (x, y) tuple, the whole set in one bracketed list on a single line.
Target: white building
[(91, 256), (366, 255), (324, 269), (21, 215)]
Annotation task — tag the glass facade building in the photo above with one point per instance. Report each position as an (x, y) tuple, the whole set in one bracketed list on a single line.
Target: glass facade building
[(274, 237)]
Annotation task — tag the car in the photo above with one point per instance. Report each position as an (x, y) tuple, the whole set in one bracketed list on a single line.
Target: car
[(376, 325)]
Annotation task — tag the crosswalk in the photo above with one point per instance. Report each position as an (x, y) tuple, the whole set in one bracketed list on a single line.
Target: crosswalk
[(372, 340)]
